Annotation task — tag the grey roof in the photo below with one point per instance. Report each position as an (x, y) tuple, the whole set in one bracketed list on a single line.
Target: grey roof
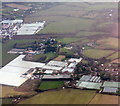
[(111, 84), (110, 90), (90, 85), (85, 78), (56, 76), (57, 63)]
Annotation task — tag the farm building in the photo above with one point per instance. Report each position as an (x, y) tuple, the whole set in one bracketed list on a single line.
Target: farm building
[(75, 60), (72, 65), (11, 74), (47, 67), (49, 71), (109, 90), (56, 77), (69, 70), (30, 29), (90, 78), (57, 63), (12, 21), (89, 85), (111, 84)]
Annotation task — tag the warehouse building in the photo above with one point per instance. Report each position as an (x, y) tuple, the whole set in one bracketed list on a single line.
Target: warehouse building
[(75, 60), (110, 90), (11, 74), (31, 29), (111, 84), (89, 85), (57, 63)]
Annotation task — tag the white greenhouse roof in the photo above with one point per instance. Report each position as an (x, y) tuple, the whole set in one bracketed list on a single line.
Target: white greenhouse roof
[(75, 60), (70, 70), (30, 29), (57, 63), (11, 73)]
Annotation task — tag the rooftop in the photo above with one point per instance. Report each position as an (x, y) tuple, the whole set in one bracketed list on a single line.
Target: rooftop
[(57, 63), (75, 60), (111, 84), (110, 90), (89, 85)]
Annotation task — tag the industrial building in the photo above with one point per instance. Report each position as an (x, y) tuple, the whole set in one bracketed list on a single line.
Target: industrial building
[(67, 69), (30, 29), (57, 63), (89, 85), (11, 74), (75, 60), (12, 21)]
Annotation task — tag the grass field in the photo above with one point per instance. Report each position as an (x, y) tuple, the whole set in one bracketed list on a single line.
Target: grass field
[(109, 42), (6, 101), (66, 51), (9, 91), (8, 46), (114, 56), (49, 56), (96, 53), (105, 99), (67, 40), (45, 85), (66, 96), (68, 25), (86, 33)]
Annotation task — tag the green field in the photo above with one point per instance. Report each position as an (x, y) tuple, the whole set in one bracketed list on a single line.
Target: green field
[(66, 96), (96, 53), (68, 25), (109, 42), (45, 85), (114, 56), (48, 56), (86, 33), (67, 40), (66, 51), (8, 46)]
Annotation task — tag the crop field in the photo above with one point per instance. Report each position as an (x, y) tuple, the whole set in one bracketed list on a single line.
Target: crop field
[(66, 51), (48, 56), (114, 56), (68, 25), (66, 96), (105, 99), (86, 33), (96, 53), (67, 40), (9, 91), (116, 61), (45, 85), (109, 42), (8, 46)]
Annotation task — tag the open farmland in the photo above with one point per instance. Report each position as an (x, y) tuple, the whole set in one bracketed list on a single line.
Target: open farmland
[(114, 56), (67, 40), (60, 58), (9, 91), (8, 46), (109, 42), (105, 99), (68, 25), (66, 96), (96, 53)]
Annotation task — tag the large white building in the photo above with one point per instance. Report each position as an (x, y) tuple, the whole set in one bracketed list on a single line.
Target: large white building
[(11, 74), (31, 29)]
